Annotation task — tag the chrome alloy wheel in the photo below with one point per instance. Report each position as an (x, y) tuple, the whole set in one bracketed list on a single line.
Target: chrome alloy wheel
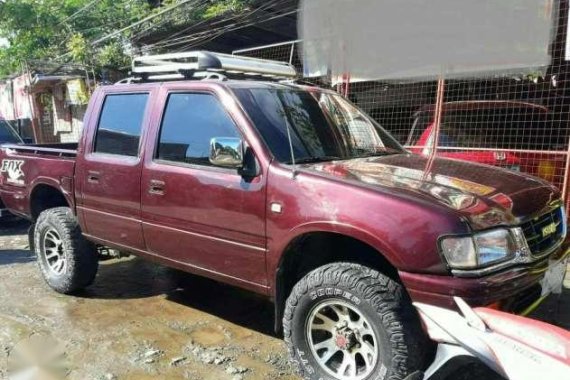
[(53, 251), (342, 340)]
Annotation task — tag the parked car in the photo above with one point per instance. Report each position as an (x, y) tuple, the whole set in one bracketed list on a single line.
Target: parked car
[(291, 192), (510, 134), (7, 135)]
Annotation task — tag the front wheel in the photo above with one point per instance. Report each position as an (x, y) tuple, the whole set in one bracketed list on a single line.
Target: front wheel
[(67, 260), (345, 321)]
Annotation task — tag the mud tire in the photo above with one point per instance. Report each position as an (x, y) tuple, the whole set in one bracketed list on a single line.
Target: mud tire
[(80, 254), (383, 301)]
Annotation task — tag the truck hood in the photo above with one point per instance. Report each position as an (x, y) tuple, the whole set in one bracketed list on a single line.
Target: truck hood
[(487, 196)]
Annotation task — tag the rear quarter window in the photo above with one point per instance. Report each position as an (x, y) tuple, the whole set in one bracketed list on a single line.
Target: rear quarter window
[(7, 134), (120, 123)]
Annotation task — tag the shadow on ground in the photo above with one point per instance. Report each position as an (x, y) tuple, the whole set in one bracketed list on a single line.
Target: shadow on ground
[(18, 256), (12, 226), (237, 306), (134, 278)]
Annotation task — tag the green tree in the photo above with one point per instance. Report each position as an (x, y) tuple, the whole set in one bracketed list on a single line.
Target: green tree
[(63, 30)]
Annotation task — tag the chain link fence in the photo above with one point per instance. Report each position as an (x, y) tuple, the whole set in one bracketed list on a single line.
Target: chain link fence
[(515, 121)]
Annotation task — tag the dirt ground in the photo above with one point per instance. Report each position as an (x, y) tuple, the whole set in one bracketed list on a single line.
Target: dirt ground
[(144, 321)]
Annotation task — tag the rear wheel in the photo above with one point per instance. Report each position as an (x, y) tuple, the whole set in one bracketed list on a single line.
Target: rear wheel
[(346, 321), (67, 260)]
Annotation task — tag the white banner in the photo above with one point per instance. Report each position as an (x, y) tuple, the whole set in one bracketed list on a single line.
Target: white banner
[(387, 39)]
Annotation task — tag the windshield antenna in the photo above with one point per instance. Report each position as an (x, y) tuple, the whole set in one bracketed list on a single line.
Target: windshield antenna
[(291, 149)]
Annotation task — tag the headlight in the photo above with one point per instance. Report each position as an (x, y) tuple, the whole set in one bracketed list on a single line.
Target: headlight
[(480, 250)]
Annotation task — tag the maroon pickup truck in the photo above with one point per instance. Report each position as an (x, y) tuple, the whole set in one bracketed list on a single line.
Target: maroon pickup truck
[(294, 193)]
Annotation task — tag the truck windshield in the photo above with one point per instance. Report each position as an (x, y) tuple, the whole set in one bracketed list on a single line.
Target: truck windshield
[(322, 126), (7, 134)]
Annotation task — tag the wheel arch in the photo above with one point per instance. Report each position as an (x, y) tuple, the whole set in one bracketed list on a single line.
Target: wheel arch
[(45, 195), (321, 246)]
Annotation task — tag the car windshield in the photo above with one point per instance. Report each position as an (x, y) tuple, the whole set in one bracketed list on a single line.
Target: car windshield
[(322, 126), (7, 133)]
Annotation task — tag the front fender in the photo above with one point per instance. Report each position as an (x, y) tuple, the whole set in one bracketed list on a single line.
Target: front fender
[(277, 247)]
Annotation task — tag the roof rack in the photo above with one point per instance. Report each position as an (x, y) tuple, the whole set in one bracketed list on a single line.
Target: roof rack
[(207, 65)]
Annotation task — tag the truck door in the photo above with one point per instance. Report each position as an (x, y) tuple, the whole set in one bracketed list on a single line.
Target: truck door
[(208, 218), (109, 171)]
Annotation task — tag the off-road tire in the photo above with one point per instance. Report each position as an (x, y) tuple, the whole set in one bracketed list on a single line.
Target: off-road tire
[(381, 300), (80, 254)]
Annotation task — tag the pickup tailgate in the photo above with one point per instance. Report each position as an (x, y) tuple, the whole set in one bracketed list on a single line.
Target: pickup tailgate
[(24, 168)]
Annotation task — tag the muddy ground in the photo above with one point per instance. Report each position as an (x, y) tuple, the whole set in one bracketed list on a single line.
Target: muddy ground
[(144, 321)]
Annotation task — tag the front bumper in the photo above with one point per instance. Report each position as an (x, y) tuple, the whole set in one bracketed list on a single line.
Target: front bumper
[(514, 289)]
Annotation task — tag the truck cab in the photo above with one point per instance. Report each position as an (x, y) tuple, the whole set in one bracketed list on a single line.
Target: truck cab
[(294, 193)]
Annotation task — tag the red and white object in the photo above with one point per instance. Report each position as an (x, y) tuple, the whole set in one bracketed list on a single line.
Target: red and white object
[(515, 347)]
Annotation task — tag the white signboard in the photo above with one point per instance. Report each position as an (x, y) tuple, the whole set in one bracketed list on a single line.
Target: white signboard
[(385, 39)]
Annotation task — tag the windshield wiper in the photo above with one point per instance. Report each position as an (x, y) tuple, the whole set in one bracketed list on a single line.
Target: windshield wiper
[(308, 160), (379, 153)]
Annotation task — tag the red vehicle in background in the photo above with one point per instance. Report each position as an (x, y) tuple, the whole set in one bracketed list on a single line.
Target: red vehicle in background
[(511, 134)]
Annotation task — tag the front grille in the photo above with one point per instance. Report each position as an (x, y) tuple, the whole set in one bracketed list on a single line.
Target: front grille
[(533, 231)]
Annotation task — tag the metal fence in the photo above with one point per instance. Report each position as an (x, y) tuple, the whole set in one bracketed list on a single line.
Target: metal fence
[(518, 122), (284, 52)]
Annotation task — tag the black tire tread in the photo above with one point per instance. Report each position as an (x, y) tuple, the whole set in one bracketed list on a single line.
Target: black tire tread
[(385, 295), (82, 255)]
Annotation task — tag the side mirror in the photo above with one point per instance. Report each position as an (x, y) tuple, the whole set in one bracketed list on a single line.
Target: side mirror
[(226, 152)]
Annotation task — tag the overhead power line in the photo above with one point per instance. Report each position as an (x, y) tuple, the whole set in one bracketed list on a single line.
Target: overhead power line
[(222, 26), (86, 7), (212, 24), (115, 33)]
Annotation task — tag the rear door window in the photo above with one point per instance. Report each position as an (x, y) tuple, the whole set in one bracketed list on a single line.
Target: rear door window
[(120, 124)]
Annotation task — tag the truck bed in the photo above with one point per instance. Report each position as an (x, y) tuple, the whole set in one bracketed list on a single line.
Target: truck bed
[(27, 168), (61, 149)]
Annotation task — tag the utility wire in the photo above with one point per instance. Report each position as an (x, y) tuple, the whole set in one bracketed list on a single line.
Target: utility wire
[(243, 20), (86, 7), (198, 4), (115, 33), (204, 40), (213, 33), (195, 25)]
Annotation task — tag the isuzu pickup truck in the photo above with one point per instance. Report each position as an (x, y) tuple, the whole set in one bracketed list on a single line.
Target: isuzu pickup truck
[(291, 192)]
